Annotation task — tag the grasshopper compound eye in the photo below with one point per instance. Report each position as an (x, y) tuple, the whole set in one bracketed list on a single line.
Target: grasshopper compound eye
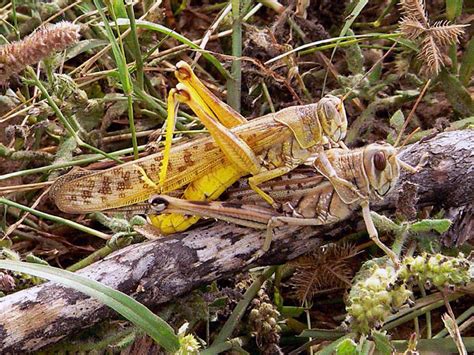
[(380, 162), (158, 203)]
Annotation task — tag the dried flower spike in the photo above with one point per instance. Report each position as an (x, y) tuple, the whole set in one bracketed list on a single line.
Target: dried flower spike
[(433, 39), (40, 44)]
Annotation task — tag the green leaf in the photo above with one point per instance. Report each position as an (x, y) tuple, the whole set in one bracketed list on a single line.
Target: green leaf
[(456, 94), (453, 9), (118, 8), (291, 311), (331, 348), (382, 343), (397, 120), (427, 225), (130, 309), (467, 63), (354, 56), (347, 347)]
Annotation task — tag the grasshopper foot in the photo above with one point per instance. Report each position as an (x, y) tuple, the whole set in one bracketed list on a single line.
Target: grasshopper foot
[(415, 169)]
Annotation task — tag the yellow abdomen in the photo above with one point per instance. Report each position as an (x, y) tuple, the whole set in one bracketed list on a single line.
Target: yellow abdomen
[(207, 188)]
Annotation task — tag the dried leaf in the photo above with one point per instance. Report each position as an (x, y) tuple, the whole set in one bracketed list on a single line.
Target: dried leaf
[(454, 332)]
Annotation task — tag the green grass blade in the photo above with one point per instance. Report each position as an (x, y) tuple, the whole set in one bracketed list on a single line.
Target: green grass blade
[(135, 47), (352, 16), (169, 32), (119, 56), (234, 84), (350, 20), (467, 63), (130, 309)]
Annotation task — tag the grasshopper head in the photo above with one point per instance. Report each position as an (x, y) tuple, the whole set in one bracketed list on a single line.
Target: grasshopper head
[(382, 167), (332, 115)]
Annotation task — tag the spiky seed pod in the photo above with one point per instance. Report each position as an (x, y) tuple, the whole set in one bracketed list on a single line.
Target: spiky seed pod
[(371, 300), (316, 271), (435, 270), (432, 38), (40, 44)]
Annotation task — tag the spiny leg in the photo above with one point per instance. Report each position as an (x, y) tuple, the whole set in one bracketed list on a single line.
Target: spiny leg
[(264, 176), (373, 234), (277, 221), (414, 169), (234, 148)]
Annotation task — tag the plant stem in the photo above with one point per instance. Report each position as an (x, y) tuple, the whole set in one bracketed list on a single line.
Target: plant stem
[(66, 164), (53, 218), (135, 46), (239, 310), (234, 83)]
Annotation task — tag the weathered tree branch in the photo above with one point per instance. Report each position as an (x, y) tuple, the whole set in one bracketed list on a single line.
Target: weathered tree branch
[(159, 271)]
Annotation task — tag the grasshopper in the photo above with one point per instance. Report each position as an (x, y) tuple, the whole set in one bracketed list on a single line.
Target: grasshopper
[(265, 147), (309, 199)]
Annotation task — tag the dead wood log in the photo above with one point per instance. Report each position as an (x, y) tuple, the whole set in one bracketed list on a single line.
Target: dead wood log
[(159, 271)]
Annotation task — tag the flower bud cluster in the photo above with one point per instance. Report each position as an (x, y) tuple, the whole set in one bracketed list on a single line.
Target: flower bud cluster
[(436, 270), (371, 301), (379, 290)]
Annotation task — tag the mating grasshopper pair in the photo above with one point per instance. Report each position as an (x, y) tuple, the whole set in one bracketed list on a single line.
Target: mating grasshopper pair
[(266, 147), (307, 198)]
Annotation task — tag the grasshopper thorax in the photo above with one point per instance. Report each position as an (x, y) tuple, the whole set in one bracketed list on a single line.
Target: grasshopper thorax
[(382, 167), (332, 117)]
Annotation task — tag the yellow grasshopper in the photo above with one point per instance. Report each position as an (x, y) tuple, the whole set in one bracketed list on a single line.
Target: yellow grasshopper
[(308, 199), (265, 147)]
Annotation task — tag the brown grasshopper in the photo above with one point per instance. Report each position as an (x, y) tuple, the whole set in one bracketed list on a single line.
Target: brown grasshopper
[(266, 147), (308, 200)]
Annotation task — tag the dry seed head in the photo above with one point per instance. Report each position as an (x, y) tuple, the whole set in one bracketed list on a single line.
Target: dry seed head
[(432, 39), (326, 268), (414, 9), (40, 44)]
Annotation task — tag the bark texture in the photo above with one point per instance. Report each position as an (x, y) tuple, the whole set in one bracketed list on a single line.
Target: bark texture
[(159, 271)]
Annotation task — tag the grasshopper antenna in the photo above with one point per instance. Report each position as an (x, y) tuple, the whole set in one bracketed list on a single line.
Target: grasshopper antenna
[(407, 139)]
